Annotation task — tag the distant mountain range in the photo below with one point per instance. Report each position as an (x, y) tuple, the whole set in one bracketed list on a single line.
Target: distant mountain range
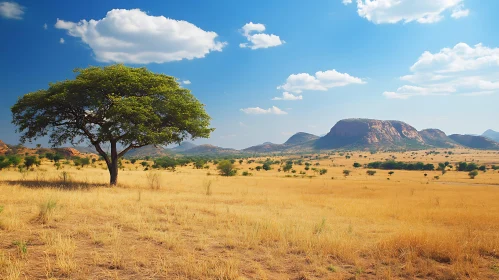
[(347, 134), (494, 135)]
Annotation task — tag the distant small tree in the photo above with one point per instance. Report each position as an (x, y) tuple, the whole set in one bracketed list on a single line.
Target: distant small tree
[(266, 166), (357, 165), (198, 164), (371, 172), (258, 168), (240, 161), (31, 161), (473, 174), (390, 173), (226, 168), (482, 168), (288, 166), (322, 171), (346, 172)]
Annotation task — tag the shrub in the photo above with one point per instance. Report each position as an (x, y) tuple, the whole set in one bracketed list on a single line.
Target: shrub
[(357, 165), (246, 173), (31, 161), (226, 168), (390, 173), (323, 171), (473, 174), (371, 172), (346, 172)]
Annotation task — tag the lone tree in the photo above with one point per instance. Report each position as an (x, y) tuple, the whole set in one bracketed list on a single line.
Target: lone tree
[(118, 107)]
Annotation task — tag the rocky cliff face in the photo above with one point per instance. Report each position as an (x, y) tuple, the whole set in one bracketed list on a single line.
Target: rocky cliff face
[(3, 147), (475, 142), (368, 133), (437, 138)]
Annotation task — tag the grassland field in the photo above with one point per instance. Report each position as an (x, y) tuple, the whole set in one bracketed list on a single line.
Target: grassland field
[(186, 224)]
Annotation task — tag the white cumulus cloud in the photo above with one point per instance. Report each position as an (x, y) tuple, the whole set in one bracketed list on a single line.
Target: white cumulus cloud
[(186, 82), (45, 26), (462, 70), (257, 39), (132, 36), (61, 41), (11, 10), (422, 11), (323, 80), (259, 111), (288, 96)]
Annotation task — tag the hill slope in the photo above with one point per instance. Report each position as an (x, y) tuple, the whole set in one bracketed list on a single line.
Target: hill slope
[(209, 149), (300, 138), (475, 142), (369, 133), (437, 138), (3, 147), (491, 134), (184, 146), (298, 142), (149, 150)]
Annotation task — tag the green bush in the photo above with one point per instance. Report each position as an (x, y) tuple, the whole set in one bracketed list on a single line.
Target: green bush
[(226, 168)]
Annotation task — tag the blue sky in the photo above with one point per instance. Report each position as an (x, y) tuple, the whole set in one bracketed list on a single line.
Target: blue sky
[(416, 61)]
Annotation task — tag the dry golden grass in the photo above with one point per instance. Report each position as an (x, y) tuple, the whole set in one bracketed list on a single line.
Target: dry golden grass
[(187, 225)]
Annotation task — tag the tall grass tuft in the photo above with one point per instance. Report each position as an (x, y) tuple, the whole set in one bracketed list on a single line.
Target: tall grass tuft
[(46, 210), (153, 179)]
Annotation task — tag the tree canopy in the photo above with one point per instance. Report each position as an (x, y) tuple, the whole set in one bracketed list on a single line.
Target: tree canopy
[(113, 106)]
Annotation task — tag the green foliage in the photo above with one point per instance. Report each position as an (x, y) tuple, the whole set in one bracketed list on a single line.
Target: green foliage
[(398, 165), (30, 161), (473, 174), (288, 166), (199, 163), (246, 173), (165, 162), (258, 168), (79, 161), (115, 105), (482, 168), (226, 168), (391, 173), (266, 166), (14, 160), (346, 172), (322, 171), (357, 165), (371, 172), (463, 166)]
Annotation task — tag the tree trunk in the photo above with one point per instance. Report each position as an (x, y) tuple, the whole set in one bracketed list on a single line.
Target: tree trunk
[(113, 166)]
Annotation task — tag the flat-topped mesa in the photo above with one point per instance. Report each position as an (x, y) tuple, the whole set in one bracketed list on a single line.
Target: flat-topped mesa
[(369, 133)]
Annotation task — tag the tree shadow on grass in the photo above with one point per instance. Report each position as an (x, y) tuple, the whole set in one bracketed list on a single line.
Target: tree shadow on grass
[(71, 185)]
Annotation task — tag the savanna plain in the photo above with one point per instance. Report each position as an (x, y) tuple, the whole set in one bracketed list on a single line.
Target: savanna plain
[(192, 223)]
